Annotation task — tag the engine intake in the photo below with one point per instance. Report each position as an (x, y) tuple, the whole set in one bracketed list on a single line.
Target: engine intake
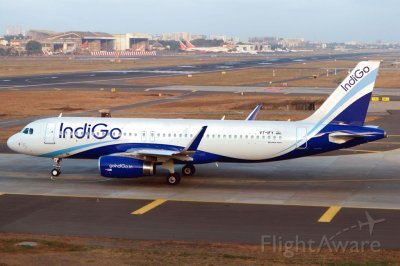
[(124, 167)]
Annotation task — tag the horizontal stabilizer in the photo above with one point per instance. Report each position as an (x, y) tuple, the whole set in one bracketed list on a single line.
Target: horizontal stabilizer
[(341, 137)]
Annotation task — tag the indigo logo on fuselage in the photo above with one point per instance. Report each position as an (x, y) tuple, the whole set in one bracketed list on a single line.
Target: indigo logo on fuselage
[(358, 74), (98, 131)]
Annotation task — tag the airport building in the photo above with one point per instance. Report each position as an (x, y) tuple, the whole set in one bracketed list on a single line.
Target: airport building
[(138, 42), (73, 41)]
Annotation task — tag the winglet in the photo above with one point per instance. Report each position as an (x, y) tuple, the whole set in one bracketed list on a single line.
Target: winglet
[(195, 142), (253, 114)]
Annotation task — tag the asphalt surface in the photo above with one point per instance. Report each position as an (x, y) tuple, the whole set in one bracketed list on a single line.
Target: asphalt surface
[(194, 221), (230, 203)]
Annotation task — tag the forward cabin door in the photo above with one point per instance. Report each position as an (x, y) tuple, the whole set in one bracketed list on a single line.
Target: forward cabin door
[(49, 137)]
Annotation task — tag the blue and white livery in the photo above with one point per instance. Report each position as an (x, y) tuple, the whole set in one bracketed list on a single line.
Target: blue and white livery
[(127, 147)]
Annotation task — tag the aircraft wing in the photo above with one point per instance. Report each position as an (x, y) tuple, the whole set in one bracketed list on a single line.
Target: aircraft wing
[(162, 155), (253, 114)]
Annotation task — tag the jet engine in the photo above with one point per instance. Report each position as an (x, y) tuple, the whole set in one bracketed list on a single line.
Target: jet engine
[(124, 167)]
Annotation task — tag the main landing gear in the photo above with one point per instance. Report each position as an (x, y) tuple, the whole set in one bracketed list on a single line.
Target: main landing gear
[(56, 171), (174, 178), (188, 170)]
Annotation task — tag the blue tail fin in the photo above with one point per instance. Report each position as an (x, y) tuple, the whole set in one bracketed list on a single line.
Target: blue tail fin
[(348, 104)]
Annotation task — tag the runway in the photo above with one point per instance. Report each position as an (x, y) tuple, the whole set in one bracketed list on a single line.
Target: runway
[(71, 80)]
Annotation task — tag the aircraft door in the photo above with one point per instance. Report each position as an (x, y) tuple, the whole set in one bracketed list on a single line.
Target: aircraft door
[(301, 138), (49, 137)]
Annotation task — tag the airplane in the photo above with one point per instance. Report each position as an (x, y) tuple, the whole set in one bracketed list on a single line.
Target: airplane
[(182, 46), (370, 222), (189, 47), (134, 147)]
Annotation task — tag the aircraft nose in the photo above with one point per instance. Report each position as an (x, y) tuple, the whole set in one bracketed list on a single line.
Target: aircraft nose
[(12, 143)]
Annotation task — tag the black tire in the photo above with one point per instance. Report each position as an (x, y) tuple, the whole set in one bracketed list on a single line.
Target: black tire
[(55, 172), (188, 170), (173, 179)]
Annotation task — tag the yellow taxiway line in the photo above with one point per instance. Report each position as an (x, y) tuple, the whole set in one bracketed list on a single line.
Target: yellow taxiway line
[(149, 206), (327, 217)]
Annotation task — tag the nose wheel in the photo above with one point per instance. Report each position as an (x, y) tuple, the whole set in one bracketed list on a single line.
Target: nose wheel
[(56, 171)]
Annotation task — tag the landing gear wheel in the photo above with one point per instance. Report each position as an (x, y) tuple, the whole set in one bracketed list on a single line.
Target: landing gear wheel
[(55, 172), (188, 170), (173, 179)]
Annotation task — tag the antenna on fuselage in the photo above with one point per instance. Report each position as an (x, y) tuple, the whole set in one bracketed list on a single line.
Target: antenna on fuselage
[(60, 115)]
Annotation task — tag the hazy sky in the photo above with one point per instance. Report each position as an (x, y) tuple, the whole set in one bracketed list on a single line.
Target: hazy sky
[(325, 20)]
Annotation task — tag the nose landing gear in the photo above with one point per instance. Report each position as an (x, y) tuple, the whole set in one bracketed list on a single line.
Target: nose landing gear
[(56, 171)]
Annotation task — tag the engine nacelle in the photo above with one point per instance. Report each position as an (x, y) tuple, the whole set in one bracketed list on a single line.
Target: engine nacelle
[(124, 167)]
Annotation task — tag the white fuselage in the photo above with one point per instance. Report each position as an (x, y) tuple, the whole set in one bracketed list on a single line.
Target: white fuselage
[(244, 140)]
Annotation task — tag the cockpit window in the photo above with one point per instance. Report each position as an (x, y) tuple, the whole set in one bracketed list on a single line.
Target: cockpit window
[(27, 131)]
